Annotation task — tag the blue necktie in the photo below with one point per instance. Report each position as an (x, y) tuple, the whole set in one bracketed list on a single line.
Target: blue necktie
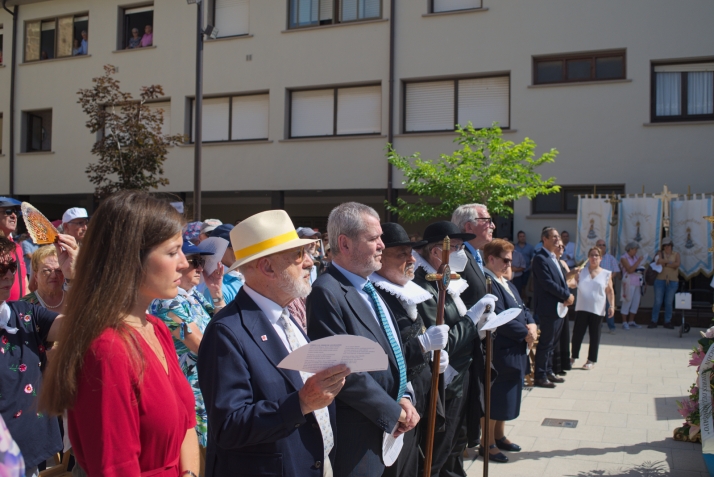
[(479, 260), (369, 288)]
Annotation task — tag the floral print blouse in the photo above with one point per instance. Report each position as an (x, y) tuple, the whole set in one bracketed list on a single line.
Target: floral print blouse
[(189, 307)]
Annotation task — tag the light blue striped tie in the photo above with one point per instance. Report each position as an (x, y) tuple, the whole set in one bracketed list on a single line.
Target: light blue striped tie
[(369, 288), (479, 260)]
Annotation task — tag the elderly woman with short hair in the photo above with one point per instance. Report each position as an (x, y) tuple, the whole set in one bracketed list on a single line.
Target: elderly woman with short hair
[(48, 279), (632, 281)]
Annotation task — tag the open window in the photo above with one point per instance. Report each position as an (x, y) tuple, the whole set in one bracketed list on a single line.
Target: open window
[(56, 38), (37, 131), (137, 27), (305, 13)]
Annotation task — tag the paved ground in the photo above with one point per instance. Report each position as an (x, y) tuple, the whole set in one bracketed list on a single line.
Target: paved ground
[(626, 412)]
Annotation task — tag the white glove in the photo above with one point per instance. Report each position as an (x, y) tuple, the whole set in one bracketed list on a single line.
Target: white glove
[(435, 337), (477, 310), (484, 318)]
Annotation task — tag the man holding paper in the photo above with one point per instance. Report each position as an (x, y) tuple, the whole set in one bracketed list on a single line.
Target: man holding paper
[(344, 301), (264, 420)]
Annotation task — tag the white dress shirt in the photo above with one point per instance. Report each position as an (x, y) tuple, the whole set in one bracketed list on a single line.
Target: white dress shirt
[(557, 264), (273, 311)]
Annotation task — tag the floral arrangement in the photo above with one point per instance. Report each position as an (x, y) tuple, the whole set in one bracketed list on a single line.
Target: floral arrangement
[(689, 408)]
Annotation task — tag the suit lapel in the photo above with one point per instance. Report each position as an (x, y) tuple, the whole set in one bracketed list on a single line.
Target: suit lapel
[(265, 337)]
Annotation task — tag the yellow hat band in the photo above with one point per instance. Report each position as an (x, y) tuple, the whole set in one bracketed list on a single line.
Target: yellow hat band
[(266, 244)]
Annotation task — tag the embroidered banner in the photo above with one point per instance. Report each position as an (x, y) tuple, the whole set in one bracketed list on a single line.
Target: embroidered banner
[(594, 217), (640, 221), (691, 235)]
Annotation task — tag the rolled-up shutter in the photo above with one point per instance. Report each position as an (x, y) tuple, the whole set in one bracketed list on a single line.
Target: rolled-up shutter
[(250, 117), (359, 110), (215, 119), (452, 5), (312, 113), (232, 17), (430, 106), (483, 101)]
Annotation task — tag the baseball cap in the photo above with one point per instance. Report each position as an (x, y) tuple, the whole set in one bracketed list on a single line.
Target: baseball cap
[(222, 231), (9, 202), (305, 232), (190, 249), (74, 213), (209, 225)]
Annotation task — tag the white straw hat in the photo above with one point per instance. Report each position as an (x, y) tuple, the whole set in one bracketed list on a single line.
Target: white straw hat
[(263, 234)]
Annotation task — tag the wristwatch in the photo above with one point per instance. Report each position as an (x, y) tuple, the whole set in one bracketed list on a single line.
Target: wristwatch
[(218, 300)]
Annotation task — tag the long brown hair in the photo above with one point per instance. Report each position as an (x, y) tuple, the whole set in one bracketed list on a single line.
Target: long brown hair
[(108, 274)]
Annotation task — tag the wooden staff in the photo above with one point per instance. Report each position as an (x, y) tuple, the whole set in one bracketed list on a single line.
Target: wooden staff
[(487, 396), (442, 278)]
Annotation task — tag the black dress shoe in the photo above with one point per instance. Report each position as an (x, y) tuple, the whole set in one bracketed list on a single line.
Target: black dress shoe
[(543, 383), (555, 379), (562, 373), (500, 457), (501, 444)]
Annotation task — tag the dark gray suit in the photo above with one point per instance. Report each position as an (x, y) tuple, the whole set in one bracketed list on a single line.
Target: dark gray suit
[(367, 405)]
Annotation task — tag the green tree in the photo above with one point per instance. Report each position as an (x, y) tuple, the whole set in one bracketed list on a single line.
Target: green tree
[(486, 169), (131, 147)]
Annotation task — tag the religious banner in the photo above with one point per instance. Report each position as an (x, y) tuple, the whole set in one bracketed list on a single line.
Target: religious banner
[(640, 221), (691, 234), (594, 216)]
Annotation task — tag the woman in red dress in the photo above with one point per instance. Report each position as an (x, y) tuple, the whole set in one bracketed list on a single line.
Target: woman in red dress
[(130, 408)]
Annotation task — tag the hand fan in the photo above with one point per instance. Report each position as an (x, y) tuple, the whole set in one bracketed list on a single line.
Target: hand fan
[(41, 230)]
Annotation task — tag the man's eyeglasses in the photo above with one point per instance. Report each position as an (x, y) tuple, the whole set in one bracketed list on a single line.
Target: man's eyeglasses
[(197, 262), (8, 267), (13, 210), (455, 248), (488, 219), (49, 271), (507, 261)]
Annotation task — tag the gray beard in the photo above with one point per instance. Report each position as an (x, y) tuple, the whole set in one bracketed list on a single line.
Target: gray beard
[(295, 288)]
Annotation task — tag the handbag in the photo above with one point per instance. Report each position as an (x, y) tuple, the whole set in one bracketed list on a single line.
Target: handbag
[(683, 301), (651, 273)]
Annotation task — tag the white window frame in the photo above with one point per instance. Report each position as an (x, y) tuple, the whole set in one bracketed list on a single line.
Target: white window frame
[(221, 30), (230, 99)]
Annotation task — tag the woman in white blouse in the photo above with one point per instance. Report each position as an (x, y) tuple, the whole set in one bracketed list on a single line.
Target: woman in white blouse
[(594, 292)]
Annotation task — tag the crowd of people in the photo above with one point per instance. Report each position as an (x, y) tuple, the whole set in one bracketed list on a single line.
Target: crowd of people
[(156, 352)]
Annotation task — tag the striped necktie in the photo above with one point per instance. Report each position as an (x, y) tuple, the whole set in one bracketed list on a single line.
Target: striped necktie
[(369, 288), (321, 415), (479, 260)]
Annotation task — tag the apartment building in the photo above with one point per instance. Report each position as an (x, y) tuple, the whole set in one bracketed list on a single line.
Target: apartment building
[(298, 95)]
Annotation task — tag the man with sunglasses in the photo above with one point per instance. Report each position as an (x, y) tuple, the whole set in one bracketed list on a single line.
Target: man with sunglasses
[(10, 212), (75, 222)]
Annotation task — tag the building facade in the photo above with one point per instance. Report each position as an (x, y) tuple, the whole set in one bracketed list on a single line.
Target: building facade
[(297, 95)]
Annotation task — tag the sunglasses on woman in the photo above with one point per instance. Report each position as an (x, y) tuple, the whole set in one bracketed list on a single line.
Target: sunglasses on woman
[(197, 262), (13, 210), (10, 266)]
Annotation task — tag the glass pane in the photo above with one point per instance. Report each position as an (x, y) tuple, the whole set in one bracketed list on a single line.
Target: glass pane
[(370, 8), (32, 41), (579, 69), (610, 68), (65, 33), (549, 71), (668, 94), (47, 40), (550, 203), (349, 10), (700, 92), (571, 198)]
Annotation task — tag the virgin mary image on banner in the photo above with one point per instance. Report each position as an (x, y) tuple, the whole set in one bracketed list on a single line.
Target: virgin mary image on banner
[(691, 235), (594, 217), (640, 221)]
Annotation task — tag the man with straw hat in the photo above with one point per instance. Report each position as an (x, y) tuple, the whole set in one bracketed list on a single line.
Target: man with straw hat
[(263, 420)]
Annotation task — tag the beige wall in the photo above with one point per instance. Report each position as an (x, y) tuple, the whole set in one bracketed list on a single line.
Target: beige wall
[(598, 128)]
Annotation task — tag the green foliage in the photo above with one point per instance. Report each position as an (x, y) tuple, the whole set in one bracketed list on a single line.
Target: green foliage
[(487, 170), (131, 147)]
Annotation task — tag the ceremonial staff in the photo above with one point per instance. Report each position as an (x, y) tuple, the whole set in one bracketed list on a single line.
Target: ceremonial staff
[(487, 389), (442, 278)]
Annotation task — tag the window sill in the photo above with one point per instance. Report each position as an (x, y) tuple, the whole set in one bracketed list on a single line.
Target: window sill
[(455, 12), (322, 27), (579, 83), (444, 133), (227, 38), (64, 58), (333, 138), (678, 123), (552, 216), (228, 143), (135, 49), (35, 153)]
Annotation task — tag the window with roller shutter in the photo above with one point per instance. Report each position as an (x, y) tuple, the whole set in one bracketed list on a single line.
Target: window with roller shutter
[(438, 6), (231, 17), (234, 118), (432, 106), (307, 13)]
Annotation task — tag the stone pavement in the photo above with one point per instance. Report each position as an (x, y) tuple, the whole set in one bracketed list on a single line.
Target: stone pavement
[(626, 412)]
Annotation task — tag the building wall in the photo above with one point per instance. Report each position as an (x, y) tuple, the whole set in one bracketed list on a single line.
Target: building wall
[(600, 129)]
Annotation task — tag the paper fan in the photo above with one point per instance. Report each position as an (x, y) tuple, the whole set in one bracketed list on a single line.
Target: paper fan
[(41, 230)]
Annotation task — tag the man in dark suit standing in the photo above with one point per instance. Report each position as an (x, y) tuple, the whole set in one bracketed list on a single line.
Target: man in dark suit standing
[(343, 301), (263, 420), (549, 289)]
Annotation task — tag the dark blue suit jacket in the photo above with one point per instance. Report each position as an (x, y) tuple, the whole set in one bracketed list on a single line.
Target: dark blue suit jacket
[(255, 425), (509, 347), (367, 404), (549, 288)]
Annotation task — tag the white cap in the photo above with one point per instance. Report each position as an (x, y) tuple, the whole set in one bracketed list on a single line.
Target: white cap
[(209, 225), (74, 213)]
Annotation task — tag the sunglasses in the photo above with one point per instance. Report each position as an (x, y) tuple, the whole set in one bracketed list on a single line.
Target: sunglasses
[(13, 210), (197, 262), (507, 261), (489, 219), (8, 267)]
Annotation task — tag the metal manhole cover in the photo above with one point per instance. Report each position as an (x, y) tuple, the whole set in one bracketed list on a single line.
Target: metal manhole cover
[(569, 423)]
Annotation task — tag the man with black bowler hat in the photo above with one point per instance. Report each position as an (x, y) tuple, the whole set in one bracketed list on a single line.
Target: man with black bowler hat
[(394, 284)]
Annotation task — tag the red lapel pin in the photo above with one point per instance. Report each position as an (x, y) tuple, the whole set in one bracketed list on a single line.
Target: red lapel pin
[(264, 338)]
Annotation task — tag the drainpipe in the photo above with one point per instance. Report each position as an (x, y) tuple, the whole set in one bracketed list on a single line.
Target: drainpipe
[(390, 134), (13, 67)]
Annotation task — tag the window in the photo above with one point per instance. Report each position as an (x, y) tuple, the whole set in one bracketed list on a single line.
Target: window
[(166, 107), (598, 66), (1, 39), (683, 92), (56, 38), (454, 5), (566, 200), (336, 111), (234, 118), (231, 17), (137, 28), (326, 12), (1, 128), (37, 131), (440, 105)]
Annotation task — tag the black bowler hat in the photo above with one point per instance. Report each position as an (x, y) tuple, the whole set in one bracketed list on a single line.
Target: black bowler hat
[(394, 235), (438, 230)]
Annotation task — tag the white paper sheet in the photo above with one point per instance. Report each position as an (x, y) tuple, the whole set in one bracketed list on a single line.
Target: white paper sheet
[(391, 447), (562, 310), (360, 354), (501, 319), (217, 246)]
